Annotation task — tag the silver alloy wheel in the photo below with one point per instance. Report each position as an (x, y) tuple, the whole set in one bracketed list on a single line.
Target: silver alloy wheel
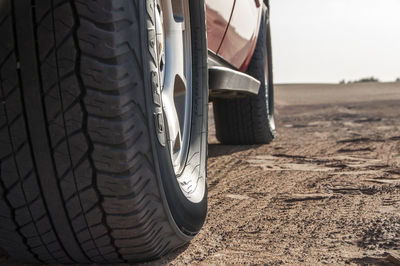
[(175, 69)]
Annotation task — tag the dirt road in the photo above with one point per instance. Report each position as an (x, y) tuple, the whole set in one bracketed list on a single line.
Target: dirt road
[(326, 191)]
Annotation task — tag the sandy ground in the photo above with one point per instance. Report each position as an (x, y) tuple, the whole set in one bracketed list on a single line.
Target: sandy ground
[(327, 191)]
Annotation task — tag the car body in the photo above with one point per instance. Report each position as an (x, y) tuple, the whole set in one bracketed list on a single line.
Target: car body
[(104, 120), (232, 30)]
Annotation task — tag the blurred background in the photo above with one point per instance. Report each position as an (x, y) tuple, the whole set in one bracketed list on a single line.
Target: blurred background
[(327, 189), (329, 41)]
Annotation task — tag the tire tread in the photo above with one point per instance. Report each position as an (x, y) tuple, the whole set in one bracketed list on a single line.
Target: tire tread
[(93, 101), (245, 121)]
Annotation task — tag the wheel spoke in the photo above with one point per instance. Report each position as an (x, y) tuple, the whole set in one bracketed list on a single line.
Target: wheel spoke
[(174, 129), (173, 15), (175, 66), (174, 41), (174, 90)]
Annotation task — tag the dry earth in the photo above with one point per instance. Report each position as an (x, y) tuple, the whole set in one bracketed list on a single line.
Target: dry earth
[(327, 191)]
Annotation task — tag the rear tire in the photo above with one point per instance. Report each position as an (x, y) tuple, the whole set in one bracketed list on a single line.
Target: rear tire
[(86, 175), (250, 120)]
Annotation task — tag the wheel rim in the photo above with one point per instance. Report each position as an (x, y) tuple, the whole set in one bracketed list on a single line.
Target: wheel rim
[(175, 68)]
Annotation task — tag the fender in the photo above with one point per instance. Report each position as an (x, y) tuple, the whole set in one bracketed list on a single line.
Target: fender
[(218, 15), (240, 40)]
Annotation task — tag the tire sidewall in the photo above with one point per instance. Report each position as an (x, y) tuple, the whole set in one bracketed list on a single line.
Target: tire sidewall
[(188, 216), (257, 70), (270, 83)]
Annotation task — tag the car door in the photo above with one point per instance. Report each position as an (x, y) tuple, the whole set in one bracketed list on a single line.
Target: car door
[(218, 15), (241, 36)]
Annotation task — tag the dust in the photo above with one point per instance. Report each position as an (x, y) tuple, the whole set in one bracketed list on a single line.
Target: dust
[(327, 191)]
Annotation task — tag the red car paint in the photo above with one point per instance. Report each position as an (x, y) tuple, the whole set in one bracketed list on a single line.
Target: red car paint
[(218, 17), (232, 29)]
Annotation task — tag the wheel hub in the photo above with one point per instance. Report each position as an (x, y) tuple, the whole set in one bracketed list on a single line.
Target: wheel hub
[(173, 46)]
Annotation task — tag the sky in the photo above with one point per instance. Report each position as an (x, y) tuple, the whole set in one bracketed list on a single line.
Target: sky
[(331, 40)]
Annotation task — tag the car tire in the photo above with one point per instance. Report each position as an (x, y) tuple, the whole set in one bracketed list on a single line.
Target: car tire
[(86, 170), (250, 120)]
